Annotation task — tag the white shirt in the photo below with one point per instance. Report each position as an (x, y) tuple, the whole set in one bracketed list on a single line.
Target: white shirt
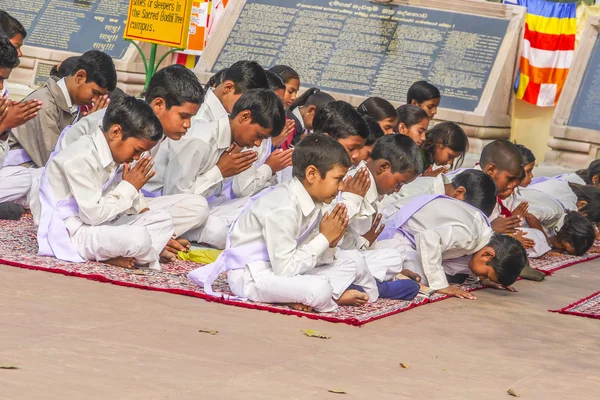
[(560, 190), (192, 161), (63, 88), (279, 218), (211, 110), (80, 171), (88, 125), (425, 185), (446, 229), (544, 207)]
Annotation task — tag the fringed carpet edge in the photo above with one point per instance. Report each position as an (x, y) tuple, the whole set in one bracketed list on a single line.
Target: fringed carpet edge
[(567, 309)]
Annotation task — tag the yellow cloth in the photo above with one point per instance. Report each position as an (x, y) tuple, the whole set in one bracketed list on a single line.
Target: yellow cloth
[(201, 256)]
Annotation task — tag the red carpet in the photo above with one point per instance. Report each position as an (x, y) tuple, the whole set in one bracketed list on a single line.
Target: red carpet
[(588, 307)]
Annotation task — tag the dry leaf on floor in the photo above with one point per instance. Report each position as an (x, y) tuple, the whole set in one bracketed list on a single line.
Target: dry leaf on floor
[(513, 393), (403, 365), (337, 391), (208, 331), (8, 367), (316, 334)]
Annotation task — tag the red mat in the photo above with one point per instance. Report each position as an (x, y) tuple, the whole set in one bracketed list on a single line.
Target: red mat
[(588, 307), (18, 248)]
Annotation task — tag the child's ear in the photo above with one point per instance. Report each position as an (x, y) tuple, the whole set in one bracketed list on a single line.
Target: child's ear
[(311, 174), (115, 132), (595, 180), (488, 253), (402, 128), (383, 166), (490, 169), (581, 204), (81, 76), (459, 193), (310, 110), (228, 87), (414, 103), (158, 105), (244, 116)]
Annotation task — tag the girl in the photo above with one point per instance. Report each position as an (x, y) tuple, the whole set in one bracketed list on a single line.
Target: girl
[(412, 122), (303, 111), (528, 164), (382, 111), (425, 96), (292, 83), (375, 132), (591, 175), (444, 143)]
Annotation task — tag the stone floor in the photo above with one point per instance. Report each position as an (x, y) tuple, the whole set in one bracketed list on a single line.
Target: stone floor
[(76, 339)]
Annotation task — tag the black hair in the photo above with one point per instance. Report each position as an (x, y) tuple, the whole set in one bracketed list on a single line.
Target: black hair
[(65, 68), (448, 134), (526, 154), (375, 131), (340, 120), (312, 97), (377, 108), (266, 109), (588, 173), (480, 189), (321, 151), (11, 26), (215, 80), (578, 231), (176, 85), (9, 58), (246, 75), (116, 93), (590, 194), (510, 258), (504, 154), (422, 91), (275, 82), (401, 152), (410, 115), (285, 73), (136, 118), (99, 68)]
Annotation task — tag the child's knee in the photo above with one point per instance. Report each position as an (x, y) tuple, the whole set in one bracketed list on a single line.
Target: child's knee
[(319, 293), (215, 232), (196, 207), (136, 241)]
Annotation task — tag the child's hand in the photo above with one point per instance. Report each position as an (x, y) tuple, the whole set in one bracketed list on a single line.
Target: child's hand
[(288, 129), (521, 210), (140, 173), (494, 285), (18, 113), (594, 249), (526, 242), (506, 225), (3, 108), (358, 184), (453, 291), (431, 172), (334, 225), (375, 230), (100, 103), (234, 161), (279, 159)]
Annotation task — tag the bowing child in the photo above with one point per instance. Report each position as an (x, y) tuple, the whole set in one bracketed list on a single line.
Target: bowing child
[(283, 249), (412, 122), (382, 111), (88, 210)]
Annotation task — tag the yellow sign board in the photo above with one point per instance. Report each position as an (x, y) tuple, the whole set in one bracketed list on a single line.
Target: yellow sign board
[(164, 22)]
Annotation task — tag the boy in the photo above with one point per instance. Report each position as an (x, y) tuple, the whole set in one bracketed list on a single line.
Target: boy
[(15, 182), (200, 162), (87, 211), (237, 79), (175, 95), (454, 238), (282, 250), (13, 29), (33, 142)]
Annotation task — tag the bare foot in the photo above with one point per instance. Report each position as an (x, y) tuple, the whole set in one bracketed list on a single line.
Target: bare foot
[(352, 297), (184, 242), (167, 257), (121, 262), (299, 307)]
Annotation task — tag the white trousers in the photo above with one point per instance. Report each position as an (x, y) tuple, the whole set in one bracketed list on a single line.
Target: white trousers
[(385, 263), (15, 184), (188, 211), (317, 288), (397, 246), (222, 214), (142, 236)]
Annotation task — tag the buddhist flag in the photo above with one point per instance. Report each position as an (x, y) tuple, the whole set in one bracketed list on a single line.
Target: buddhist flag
[(548, 47)]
